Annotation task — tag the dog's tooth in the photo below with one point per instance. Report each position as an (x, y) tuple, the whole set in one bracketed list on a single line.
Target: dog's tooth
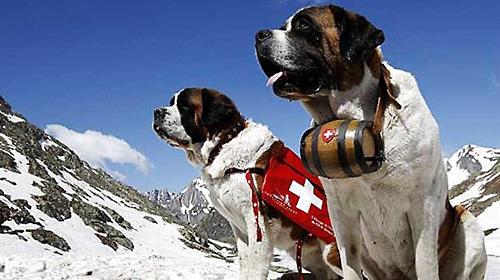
[(274, 78)]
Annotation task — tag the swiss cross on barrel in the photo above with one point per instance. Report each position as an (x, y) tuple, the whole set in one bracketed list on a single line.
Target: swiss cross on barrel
[(328, 134), (292, 190)]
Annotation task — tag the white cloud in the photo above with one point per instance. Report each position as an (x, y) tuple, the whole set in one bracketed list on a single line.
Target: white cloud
[(97, 149), (117, 175)]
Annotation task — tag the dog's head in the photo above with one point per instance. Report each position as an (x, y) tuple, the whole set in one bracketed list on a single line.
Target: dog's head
[(318, 49), (194, 116)]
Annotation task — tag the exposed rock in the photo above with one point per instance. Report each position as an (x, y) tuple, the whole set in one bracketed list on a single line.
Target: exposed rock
[(97, 219), (8, 162), (8, 181), (23, 216), (470, 163), (151, 219), (118, 218), (5, 212), (114, 235), (50, 238), (215, 226), (4, 106), (195, 241), (192, 206), (107, 241), (21, 203), (53, 203), (88, 213)]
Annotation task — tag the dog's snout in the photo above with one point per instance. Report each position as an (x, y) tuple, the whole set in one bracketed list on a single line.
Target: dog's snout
[(159, 114), (263, 35)]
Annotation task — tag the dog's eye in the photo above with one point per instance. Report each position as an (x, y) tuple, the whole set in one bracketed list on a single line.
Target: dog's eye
[(302, 25)]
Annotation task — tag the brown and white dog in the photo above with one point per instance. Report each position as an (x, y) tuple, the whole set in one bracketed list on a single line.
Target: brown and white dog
[(396, 223), (209, 128)]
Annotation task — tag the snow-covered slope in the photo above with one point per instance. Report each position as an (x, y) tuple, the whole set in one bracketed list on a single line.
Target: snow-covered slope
[(54, 204), (192, 206), (470, 160), (474, 181), (62, 219)]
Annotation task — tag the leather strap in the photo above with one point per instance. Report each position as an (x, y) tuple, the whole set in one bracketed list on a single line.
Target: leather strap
[(298, 254), (385, 96), (255, 203)]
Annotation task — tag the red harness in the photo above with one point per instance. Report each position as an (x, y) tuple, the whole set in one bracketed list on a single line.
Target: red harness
[(297, 194)]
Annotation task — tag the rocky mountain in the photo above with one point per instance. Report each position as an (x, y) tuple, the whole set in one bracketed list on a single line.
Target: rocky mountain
[(193, 206), (474, 177), (53, 203), (62, 219), (474, 181)]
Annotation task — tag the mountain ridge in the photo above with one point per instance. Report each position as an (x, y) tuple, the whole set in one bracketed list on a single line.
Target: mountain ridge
[(192, 205), (52, 202)]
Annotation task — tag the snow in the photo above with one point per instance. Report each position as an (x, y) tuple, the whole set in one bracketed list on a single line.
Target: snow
[(200, 186), (493, 249), (486, 157), (47, 143), (177, 265), (12, 118), (493, 268), (490, 217), (457, 176), (159, 252)]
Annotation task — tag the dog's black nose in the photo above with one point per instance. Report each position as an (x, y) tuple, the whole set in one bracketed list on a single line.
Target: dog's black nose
[(159, 114), (263, 35)]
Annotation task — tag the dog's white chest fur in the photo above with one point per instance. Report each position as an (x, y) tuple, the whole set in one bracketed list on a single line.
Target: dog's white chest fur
[(410, 188)]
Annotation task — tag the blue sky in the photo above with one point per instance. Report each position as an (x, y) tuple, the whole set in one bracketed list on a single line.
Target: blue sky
[(105, 65)]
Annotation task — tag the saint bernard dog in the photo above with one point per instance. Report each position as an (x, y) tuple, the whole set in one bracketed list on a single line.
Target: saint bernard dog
[(395, 223), (216, 137)]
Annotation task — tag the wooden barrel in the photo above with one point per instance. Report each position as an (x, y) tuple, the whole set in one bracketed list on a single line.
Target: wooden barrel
[(341, 149)]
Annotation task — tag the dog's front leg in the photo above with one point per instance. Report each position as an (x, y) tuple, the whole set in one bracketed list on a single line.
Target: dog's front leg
[(426, 259), (425, 238), (259, 253), (345, 220), (243, 258), (349, 242), (347, 231)]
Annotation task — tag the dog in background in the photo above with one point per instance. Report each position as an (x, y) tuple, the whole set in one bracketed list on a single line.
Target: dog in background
[(395, 223), (209, 128)]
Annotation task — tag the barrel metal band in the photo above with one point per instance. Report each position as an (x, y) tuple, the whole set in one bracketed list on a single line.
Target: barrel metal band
[(315, 154), (303, 155), (358, 148), (341, 149)]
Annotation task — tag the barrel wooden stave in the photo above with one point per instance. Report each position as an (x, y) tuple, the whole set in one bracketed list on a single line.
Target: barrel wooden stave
[(344, 155)]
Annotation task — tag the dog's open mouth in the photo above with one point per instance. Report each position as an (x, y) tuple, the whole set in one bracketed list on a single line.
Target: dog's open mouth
[(291, 84)]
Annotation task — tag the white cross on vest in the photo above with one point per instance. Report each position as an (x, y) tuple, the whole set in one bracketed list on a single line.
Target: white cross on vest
[(306, 196)]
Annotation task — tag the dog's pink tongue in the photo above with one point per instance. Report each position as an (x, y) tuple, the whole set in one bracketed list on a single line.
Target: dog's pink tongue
[(274, 78)]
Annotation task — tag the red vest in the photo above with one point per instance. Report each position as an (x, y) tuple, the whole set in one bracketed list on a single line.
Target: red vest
[(293, 191)]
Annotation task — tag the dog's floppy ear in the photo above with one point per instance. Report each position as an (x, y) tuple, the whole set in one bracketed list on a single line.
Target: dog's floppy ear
[(219, 112), (357, 36)]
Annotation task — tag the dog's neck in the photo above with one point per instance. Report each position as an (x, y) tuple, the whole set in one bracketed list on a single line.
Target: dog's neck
[(202, 154), (211, 150), (240, 152), (358, 102)]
